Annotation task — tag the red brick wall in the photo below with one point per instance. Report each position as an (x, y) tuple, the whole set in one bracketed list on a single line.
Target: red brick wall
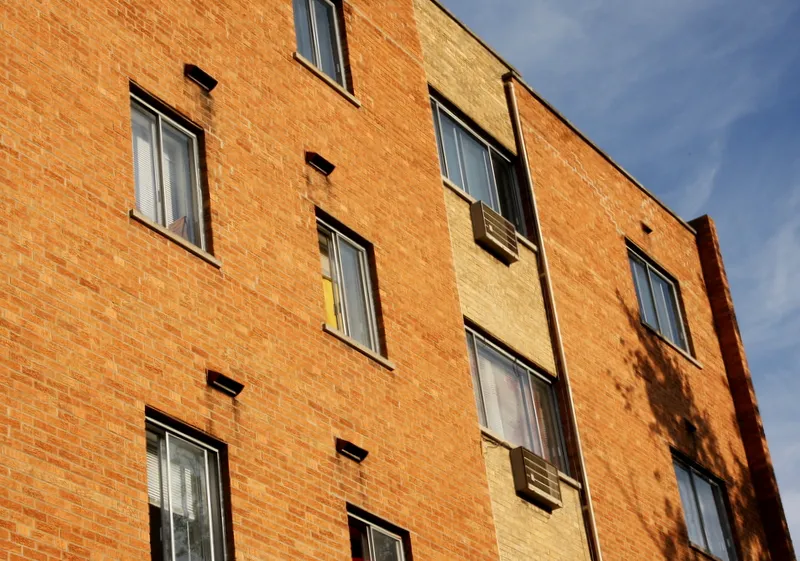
[(634, 392), (744, 396), (100, 316)]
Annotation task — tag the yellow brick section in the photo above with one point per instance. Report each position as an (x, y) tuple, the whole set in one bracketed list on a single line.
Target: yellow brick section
[(464, 71), (506, 301), (525, 531)]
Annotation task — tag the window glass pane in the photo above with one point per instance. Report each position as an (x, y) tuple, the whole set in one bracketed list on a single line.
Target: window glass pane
[(325, 15), (179, 208), (476, 382), (505, 396), (690, 511), (476, 168), (667, 309), (359, 544), (188, 500), (711, 519), (302, 27), (145, 163), (450, 145), (646, 305), (435, 113), (385, 547), (353, 277), (329, 286), (547, 415), (508, 192)]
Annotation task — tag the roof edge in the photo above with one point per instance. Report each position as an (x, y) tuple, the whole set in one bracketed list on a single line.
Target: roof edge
[(516, 75)]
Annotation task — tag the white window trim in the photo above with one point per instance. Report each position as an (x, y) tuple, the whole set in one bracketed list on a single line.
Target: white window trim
[(368, 293), (195, 168), (652, 269)]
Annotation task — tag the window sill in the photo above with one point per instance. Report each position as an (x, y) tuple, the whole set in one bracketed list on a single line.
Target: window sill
[(705, 554), (190, 247), (495, 439), (470, 199), (383, 361), (327, 79), (686, 355)]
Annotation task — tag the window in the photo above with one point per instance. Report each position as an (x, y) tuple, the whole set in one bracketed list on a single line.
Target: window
[(514, 401), (166, 171), (371, 542), (658, 300), (316, 23), (476, 167), (183, 484), (349, 303), (705, 512)]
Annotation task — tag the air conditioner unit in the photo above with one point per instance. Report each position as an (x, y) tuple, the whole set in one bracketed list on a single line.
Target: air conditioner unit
[(494, 233), (536, 479)]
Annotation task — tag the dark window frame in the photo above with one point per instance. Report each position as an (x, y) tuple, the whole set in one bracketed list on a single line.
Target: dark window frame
[(369, 276), (721, 501), (165, 423), (653, 268), (363, 517), (342, 55), (513, 202), (200, 189)]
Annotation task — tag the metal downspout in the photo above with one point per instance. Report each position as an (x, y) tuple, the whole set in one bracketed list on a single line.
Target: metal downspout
[(555, 330)]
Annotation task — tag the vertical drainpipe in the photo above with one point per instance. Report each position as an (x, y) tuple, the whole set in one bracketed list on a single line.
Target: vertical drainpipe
[(555, 331)]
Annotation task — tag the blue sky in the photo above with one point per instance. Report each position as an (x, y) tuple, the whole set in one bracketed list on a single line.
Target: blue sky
[(700, 101)]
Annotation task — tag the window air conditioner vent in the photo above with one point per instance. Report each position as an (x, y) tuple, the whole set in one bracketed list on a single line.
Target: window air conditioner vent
[(494, 233), (536, 479)]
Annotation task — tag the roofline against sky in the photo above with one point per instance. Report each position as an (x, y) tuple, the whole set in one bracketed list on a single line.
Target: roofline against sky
[(518, 77)]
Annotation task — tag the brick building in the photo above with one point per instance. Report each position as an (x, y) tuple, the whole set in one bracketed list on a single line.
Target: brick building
[(320, 202)]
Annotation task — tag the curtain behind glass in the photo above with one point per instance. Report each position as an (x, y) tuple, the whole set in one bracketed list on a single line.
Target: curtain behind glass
[(302, 27), (548, 418), (357, 312), (145, 162), (506, 397)]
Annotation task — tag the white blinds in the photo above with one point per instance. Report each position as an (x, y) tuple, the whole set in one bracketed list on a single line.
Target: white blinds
[(145, 162)]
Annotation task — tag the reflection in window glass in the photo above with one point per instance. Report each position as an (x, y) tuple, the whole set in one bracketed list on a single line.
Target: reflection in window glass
[(318, 38)]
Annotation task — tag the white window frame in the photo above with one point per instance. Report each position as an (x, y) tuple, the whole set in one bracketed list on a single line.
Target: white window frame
[(478, 336), (171, 432), (368, 293), (197, 191), (491, 151), (372, 527), (315, 40), (722, 510), (653, 270)]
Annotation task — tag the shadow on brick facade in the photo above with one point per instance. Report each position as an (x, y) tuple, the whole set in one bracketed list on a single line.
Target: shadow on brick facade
[(684, 426)]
